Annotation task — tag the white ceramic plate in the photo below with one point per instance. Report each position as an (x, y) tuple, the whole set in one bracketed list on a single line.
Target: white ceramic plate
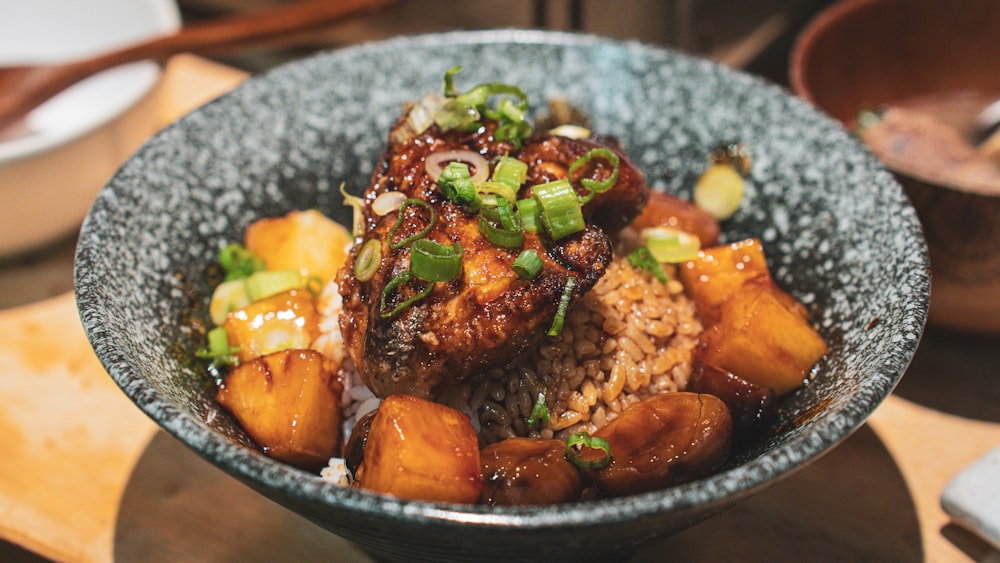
[(53, 164)]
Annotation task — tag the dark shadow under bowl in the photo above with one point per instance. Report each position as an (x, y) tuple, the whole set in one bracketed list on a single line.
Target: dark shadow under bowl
[(838, 231)]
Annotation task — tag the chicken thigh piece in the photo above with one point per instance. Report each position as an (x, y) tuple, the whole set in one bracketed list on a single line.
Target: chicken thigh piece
[(489, 313)]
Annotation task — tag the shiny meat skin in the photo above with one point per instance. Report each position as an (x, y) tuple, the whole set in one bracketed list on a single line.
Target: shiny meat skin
[(488, 314)]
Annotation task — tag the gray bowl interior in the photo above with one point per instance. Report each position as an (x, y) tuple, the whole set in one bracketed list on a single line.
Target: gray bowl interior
[(838, 231)]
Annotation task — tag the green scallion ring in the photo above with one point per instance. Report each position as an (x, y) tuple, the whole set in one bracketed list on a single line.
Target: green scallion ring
[(559, 208), (557, 322), (395, 282), (434, 262), (643, 259), (264, 284), (539, 412), (528, 264), (593, 442), (596, 186), (505, 192), (368, 261), (399, 222), (510, 171), (511, 239), (527, 209)]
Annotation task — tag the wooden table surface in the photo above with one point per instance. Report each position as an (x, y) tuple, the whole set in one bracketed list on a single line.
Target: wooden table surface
[(85, 476)]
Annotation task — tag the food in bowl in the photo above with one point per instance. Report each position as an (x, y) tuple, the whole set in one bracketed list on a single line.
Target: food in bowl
[(508, 302)]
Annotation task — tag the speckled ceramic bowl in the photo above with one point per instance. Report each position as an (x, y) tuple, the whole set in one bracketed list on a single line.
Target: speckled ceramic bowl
[(838, 231)]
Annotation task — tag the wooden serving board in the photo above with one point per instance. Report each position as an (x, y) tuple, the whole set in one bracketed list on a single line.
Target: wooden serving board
[(85, 476)]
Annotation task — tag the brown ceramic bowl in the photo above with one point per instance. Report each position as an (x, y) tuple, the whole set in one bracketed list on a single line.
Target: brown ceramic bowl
[(877, 54)]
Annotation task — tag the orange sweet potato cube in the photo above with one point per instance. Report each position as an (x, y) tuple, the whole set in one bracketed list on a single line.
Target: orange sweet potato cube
[(719, 271), (289, 403), (286, 321), (421, 450), (305, 241), (756, 336)]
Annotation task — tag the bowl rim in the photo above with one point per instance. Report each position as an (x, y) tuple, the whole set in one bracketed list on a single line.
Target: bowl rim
[(715, 491), (144, 74)]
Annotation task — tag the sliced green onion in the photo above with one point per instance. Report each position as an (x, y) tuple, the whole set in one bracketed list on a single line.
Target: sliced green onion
[(642, 259), (227, 297), (496, 188), (557, 322), (449, 81), (238, 262), (719, 191), (595, 186), (262, 285), (509, 239), (457, 185), (528, 210), (559, 208), (671, 246), (463, 111), (395, 282), (218, 349), (368, 261), (423, 232), (358, 225), (510, 172), (585, 440), (434, 262), (539, 412), (528, 264)]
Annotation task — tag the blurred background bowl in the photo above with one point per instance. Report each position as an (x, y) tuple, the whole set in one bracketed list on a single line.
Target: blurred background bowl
[(936, 60), (53, 164), (837, 229)]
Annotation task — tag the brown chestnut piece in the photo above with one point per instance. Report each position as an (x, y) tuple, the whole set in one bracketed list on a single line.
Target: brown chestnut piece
[(354, 450), (528, 471), (753, 407), (662, 441)]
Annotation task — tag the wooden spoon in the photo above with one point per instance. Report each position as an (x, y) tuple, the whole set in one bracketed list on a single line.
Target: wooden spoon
[(23, 88)]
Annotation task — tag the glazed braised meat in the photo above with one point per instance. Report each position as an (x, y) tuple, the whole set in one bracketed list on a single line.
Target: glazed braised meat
[(488, 313)]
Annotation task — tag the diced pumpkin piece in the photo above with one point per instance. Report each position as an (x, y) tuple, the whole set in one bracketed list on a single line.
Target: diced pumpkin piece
[(758, 338), (306, 241), (289, 403), (719, 271), (420, 450), (285, 321)]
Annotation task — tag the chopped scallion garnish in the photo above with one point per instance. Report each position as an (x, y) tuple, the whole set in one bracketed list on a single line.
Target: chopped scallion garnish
[(671, 246), (642, 259), (596, 186), (238, 262), (464, 110), (392, 286), (575, 445), (539, 412), (434, 262), (431, 221), (262, 285), (501, 225), (559, 208), (368, 261), (227, 297), (528, 264), (457, 185), (510, 172), (496, 189), (218, 349), (557, 322), (528, 210)]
